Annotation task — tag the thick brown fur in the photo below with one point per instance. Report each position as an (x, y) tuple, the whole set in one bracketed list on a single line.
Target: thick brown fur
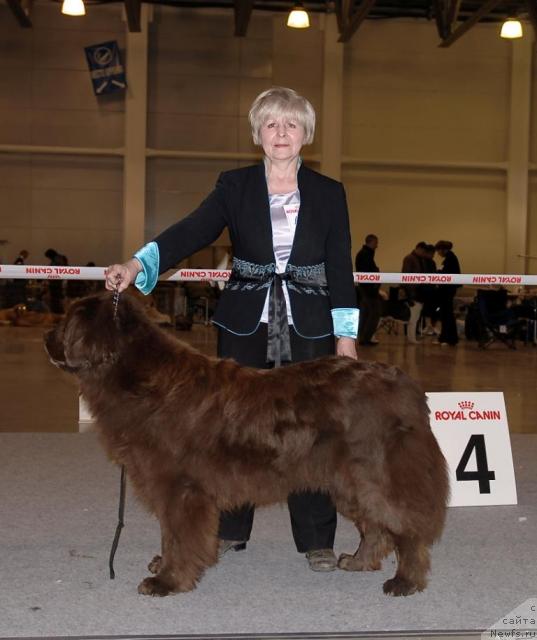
[(199, 435)]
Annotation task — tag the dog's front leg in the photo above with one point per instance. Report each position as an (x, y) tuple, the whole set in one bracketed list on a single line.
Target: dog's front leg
[(189, 528)]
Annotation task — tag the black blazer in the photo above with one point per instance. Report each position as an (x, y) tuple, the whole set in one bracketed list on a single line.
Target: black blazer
[(365, 262), (450, 265), (240, 201)]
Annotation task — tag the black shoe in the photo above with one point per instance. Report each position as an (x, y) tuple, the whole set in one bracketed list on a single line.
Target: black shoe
[(322, 560)]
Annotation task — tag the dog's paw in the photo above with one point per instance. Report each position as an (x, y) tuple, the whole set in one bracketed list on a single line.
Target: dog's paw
[(352, 563), (155, 564), (345, 561), (400, 587), (153, 587)]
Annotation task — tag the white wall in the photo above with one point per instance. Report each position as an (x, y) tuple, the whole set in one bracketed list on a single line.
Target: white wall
[(404, 99), (408, 100), (403, 208), (202, 83), (532, 213), (70, 203)]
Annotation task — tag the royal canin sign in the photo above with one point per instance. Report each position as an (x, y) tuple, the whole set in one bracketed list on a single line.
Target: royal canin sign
[(202, 274), (53, 271), (466, 411), (39, 272)]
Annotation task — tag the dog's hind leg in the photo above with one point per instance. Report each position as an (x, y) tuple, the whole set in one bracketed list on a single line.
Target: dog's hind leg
[(375, 544), (155, 564), (413, 564), (189, 527)]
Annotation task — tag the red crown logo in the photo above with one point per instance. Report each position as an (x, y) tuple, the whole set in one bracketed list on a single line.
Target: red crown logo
[(466, 404)]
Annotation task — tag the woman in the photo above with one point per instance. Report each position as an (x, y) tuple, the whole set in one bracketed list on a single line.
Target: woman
[(55, 287), (291, 295), (446, 294), (430, 294)]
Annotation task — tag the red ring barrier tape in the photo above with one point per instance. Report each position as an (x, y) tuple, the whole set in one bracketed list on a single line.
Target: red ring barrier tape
[(31, 272)]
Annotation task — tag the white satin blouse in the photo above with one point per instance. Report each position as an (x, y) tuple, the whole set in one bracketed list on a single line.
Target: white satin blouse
[(284, 208)]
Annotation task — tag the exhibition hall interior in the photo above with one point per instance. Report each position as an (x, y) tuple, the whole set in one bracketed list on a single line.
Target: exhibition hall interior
[(121, 119)]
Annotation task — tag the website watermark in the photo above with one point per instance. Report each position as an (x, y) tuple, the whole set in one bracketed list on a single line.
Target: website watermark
[(518, 624)]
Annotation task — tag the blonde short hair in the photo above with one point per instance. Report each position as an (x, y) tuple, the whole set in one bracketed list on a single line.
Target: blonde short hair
[(277, 102)]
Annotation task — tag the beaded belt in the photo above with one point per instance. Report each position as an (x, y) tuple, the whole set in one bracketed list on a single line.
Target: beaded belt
[(307, 280)]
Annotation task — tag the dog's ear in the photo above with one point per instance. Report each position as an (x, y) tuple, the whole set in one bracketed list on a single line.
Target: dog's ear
[(91, 334), (97, 330)]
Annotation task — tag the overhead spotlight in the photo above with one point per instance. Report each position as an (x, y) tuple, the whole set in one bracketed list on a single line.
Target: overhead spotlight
[(511, 29), (298, 17), (73, 8)]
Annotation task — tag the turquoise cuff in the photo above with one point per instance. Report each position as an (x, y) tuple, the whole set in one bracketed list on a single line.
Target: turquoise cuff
[(345, 322), (149, 258)]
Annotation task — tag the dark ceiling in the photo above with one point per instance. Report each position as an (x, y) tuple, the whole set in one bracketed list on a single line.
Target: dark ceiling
[(381, 9), (453, 18)]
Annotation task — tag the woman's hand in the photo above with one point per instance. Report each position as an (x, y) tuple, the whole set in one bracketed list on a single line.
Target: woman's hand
[(346, 347), (120, 276)]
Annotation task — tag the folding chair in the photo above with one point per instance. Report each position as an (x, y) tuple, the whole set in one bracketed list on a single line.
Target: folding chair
[(395, 313), (496, 322)]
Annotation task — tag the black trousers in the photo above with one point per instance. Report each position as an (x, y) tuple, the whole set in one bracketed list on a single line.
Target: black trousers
[(313, 515), (370, 310), (55, 290), (447, 315)]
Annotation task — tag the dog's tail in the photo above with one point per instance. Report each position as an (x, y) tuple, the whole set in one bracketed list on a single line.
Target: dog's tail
[(418, 470), (419, 482)]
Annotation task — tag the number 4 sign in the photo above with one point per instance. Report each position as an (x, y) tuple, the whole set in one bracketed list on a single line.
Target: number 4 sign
[(472, 431)]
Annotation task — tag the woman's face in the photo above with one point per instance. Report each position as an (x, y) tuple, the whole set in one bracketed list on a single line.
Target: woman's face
[(282, 138)]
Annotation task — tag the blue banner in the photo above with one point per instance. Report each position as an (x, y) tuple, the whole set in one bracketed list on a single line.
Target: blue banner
[(106, 70)]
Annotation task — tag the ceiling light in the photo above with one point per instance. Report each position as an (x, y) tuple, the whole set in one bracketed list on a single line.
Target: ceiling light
[(298, 17), (511, 28), (73, 8)]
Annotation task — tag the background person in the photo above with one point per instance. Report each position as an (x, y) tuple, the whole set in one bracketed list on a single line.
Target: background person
[(55, 287), (79, 288), (413, 263), (16, 288), (446, 294), (22, 257), (430, 294), (291, 294), (370, 301)]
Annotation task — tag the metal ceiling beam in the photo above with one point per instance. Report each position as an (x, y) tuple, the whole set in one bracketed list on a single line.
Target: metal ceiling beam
[(339, 15), (346, 7), (532, 11), (242, 10), (453, 13), (440, 10), (21, 9), (465, 26), (446, 13), (356, 20), (132, 10)]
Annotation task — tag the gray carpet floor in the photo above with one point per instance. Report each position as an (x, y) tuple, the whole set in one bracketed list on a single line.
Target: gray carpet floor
[(58, 512)]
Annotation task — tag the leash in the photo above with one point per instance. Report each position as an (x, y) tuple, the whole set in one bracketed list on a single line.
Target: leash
[(122, 482), (120, 524), (115, 302)]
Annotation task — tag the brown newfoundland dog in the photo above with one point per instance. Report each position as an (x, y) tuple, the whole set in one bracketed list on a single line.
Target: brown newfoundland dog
[(199, 435)]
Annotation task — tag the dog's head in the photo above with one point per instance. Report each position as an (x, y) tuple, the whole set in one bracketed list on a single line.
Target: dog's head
[(92, 334)]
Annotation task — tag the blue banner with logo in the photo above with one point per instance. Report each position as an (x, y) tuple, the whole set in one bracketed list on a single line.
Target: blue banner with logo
[(106, 70)]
